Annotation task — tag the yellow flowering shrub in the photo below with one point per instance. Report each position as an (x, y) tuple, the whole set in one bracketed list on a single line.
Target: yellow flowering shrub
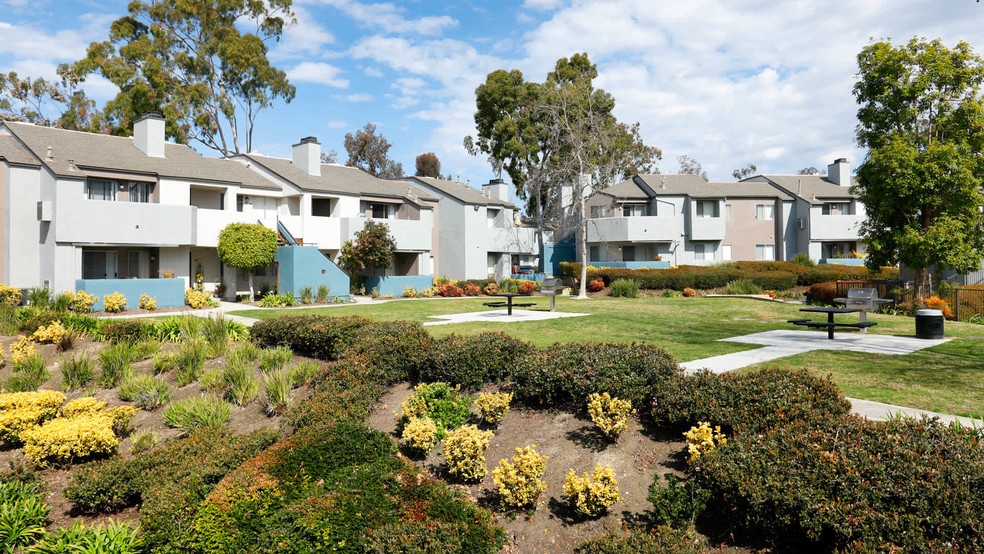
[(22, 349), (410, 292), (493, 405), (82, 302), (198, 299), (115, 303), (50, 334), (148, 303), (592, 494), (20, 411), (10, 296), (609, 414), (120, 417), (81, 406), (420, 434), (701, 440), (520, 479), (428, 292), (64, 439), (464, 450)]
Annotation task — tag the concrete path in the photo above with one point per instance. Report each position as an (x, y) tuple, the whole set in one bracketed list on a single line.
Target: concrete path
[(782, 343), (500, 316)]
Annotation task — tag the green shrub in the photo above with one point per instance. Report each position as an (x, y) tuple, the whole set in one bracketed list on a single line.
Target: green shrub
[(277, 390), (200, 412), (675, 504), (77, 371), (744, 286), (238, 383), (23, 512), (115, 363), (662, 540), (145, 391), (323, 292), (273, 359), (245, 353), (306, 294), (570, 372), (273, 300), (396, 351), (39, 297), (124, 330), (163, 362), (30, 321), (28, 374), (301, 372), (82, 324), (439, 402), (190, 361), (217, 335), (803, 260), (625, 287), (344, 391), (145, 349), (470, 361)]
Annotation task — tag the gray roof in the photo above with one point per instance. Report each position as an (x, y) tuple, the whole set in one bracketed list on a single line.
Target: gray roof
[(12, 152), (72, 152), (338, 179), (811, 188), (689, 185), (460, 191)]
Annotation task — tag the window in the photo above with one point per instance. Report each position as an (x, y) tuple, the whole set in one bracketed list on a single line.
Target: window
[(490, 217), (634, 210), (707, 208), (98, 264), (321, 207), (240, 200), (704, 251), (836, 208), (727, 212), (380, 211), (765, 252), (726, 252), (765, 211), (599, 211), (594, 254), (836, 249), (628, 254), (99, 189), (140, 192)]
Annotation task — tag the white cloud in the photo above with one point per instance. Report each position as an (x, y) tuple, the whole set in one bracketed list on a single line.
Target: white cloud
[(361, 97), (391, 19), (25, 42), (317, 72), (542, 4), (372, 72), (337, 124), (303, 39), (409, 83)]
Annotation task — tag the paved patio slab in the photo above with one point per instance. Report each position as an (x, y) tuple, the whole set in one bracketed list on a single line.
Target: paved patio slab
[(500, 316)]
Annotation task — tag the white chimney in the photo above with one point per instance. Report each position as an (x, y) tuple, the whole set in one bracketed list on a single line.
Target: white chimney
[(839, 172), (307, 155), (497, 189), (148, 134)]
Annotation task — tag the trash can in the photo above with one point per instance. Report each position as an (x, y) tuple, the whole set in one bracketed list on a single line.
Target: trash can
[(929, 324)]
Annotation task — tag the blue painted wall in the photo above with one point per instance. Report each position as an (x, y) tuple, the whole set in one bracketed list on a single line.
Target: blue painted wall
[(843, 261), (393, 284), (552, 254), (302, 266), (632, 265), (537, 277), (169, 292)]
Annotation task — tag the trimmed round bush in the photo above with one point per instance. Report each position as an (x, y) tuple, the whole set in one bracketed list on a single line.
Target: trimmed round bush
[(470, 361)]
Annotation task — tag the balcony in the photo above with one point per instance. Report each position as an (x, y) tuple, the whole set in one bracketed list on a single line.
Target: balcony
[(513, 240), (652, 228), (707, 228), (83, 221), (412, 235), (323, 232), (835, 227), (209, 223)]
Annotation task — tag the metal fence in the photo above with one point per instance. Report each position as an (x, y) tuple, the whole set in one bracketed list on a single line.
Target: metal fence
[(964, 302)]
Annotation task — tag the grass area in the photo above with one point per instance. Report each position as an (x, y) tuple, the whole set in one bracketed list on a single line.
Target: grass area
[(948, 378)]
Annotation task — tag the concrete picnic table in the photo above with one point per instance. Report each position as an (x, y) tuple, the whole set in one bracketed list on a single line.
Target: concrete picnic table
[(830, 324)]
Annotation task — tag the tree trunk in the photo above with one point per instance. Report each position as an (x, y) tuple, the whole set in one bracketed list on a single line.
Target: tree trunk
[(922, 277), (249, 276), (582, 237)]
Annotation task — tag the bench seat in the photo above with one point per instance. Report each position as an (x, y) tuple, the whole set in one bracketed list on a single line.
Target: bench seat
[(523, 305), (798, 321), (496, 304)]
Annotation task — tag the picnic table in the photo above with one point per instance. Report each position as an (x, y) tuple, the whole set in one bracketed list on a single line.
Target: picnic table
[(830, 324), (508, 304)]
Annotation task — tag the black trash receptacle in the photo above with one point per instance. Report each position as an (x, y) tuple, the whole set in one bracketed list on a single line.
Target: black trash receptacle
[(929, 324)]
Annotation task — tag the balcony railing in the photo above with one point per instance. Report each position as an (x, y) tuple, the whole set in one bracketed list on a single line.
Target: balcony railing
[(632, 229)]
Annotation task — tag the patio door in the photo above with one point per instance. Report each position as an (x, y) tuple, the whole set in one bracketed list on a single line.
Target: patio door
[(98, 264), (138, 264)]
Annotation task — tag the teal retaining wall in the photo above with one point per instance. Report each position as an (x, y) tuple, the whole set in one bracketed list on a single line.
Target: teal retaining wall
[(538, 277), (169, 292), (843, 261), (552, 254), (394, 284), (632, 265), (306, 266)]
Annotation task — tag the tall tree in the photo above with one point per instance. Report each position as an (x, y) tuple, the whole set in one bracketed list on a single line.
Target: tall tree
[(329, 157), (921, 117), (744, 172), (690, 166), (373, 249), (247, 246), (809, 171), (47, 103), (428, 165), (519, 130), (367, 151), (189, 60)]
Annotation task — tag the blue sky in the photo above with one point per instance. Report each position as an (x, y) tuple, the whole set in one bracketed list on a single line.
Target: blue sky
[(726, 82)]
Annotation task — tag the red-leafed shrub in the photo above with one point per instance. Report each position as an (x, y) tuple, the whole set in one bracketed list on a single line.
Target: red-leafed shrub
[(472, 289), (689, 292), (527, 288), (596, 285), (823, 293), (449, 290)]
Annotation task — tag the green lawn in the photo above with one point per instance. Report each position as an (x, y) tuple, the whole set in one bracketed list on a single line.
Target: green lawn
[(947, 378)]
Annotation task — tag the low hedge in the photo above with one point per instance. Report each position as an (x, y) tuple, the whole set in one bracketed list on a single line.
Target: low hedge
[(768, 275), (470, 361), (823, 293), (124, 330), (662, 540), (852, 484)]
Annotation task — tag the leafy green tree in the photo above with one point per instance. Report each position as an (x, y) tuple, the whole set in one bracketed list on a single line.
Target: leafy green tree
[(248, 247), (373, 249), (690, 166), (189, 60), (428, 165), (921, 117), (367, 151), (47, 103), (809, 171)]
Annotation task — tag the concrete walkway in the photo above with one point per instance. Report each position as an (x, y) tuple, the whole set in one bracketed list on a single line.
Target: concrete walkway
[(782, 343), (500, 316)]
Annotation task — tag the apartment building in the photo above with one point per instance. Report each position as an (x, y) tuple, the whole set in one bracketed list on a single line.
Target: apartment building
[(478, 236), (682, 219)]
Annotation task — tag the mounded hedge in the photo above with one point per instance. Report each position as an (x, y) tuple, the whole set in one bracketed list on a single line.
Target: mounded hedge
[(767, 275)]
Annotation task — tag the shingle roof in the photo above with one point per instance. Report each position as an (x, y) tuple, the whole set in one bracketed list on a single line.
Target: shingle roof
[(14, 153), (811, 188), (460, 191), (690, 185), (72, 152), (337, 179)]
